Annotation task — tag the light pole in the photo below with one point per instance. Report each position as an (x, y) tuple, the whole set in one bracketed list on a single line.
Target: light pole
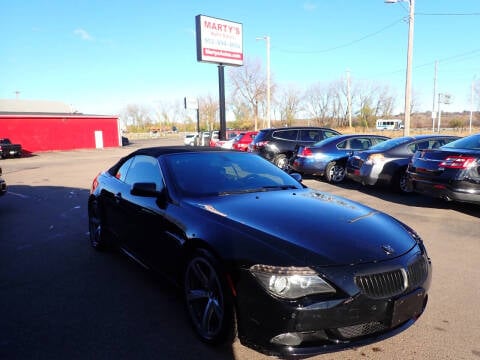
[(267, 41), (408, 77)]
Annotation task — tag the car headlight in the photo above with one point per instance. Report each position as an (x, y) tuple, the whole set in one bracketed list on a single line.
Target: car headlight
[(290, 282)]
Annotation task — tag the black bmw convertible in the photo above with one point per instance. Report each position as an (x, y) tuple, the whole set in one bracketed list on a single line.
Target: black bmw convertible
[(287, 269)]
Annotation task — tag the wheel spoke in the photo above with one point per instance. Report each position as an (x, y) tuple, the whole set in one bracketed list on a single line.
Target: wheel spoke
[(196, 294), (204, 298), (200, 274)]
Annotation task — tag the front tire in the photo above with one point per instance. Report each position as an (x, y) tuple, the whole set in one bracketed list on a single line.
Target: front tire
[(208, 299), (335, 173)]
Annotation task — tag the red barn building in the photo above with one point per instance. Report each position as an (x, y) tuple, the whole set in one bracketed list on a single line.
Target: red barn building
[(44, 126)]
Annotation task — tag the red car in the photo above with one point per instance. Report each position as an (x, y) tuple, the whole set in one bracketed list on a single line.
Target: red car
[(242, 143)]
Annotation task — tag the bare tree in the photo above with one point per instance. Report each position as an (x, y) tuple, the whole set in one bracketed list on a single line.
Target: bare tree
[(318, 101), (169, 114), (339, 103), (248, 83), (290, 104), (137, 115), (208, 109)]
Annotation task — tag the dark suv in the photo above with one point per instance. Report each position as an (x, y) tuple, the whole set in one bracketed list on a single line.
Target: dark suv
[(279, 145)]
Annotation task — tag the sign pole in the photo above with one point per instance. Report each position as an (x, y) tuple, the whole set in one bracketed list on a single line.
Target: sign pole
[(221, 97)]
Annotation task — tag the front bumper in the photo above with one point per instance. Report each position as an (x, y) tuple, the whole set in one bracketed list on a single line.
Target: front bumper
[(311, 325)]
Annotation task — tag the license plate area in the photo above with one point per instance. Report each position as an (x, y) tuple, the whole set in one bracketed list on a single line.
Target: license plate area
[(407, 307)]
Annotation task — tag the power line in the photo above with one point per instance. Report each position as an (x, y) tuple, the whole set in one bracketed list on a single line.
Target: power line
[(447, 14), (340, 46)]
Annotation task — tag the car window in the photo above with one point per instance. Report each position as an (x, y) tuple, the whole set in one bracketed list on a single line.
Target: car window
[(262, 134), (379, 140), (360, 143), (469, 142), (342, 144), (310, 135), (286, 134), (123, 170), (419, 145), (329, 133), (144, 169)]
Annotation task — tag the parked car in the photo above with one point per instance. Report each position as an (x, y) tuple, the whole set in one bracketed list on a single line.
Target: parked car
[(190, 139), (295, 270), (205, 138), (3, 184), (385, 164), (279, 145), (230, 137), (243, 141), (215, 137), (228, 144), (328, 157), (451, 172), (125, 141), (9, 149)]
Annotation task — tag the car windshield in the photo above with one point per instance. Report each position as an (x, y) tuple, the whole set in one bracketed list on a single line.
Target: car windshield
[(199, 174), (390, 144), (470, 142)]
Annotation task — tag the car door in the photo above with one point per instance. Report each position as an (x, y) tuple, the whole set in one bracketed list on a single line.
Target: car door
[(143, 215), (111, 197)]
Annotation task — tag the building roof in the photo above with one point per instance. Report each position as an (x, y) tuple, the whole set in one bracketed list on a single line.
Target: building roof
[(19, 106)]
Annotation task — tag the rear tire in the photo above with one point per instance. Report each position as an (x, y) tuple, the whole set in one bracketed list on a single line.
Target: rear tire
[(97, 234), (281, 161), (335, 173), (400, 182), (208, 299)]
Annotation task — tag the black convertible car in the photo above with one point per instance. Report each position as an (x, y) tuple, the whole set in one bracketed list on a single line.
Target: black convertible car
[(290, 270), (3, 184)]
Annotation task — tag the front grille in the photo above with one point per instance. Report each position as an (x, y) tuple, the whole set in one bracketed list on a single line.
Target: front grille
[(392, 283), (417, 272), (350, 332)]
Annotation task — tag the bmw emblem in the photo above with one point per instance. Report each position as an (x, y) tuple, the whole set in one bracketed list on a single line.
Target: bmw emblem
[(388, 249)]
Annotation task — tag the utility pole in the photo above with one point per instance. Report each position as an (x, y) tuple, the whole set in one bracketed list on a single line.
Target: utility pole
[(434, 96), (267, 42), (471, 104), (349, 100)]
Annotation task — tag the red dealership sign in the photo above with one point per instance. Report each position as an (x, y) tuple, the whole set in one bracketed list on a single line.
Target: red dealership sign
[(219, 41)]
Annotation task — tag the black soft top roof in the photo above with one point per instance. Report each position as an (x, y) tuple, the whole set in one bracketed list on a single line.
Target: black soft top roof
[(163, 150)]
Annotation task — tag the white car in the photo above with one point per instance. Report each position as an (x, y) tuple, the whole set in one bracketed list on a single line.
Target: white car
[(189, 139)]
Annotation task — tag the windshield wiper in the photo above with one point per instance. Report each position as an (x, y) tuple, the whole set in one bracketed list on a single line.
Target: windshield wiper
[(258, 189)]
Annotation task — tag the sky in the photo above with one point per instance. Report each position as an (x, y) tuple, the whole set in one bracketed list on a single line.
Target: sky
[(99, 55)]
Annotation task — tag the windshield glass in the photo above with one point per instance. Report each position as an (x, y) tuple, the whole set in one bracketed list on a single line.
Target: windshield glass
[(200, 174), (390, 144), (470, 142)]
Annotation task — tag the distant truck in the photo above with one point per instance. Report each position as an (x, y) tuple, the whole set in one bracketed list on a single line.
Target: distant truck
[(7, 149)]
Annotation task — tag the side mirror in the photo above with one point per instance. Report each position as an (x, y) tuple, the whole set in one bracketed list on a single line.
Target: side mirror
[(145, 189), (296, 176)]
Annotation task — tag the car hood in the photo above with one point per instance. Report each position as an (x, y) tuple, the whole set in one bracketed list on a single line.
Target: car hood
[(313, 227)]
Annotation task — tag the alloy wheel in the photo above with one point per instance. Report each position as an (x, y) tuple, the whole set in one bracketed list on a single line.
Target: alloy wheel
[(205, 298)]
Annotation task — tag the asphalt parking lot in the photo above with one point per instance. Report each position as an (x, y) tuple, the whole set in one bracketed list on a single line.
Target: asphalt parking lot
[(59, 299)]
